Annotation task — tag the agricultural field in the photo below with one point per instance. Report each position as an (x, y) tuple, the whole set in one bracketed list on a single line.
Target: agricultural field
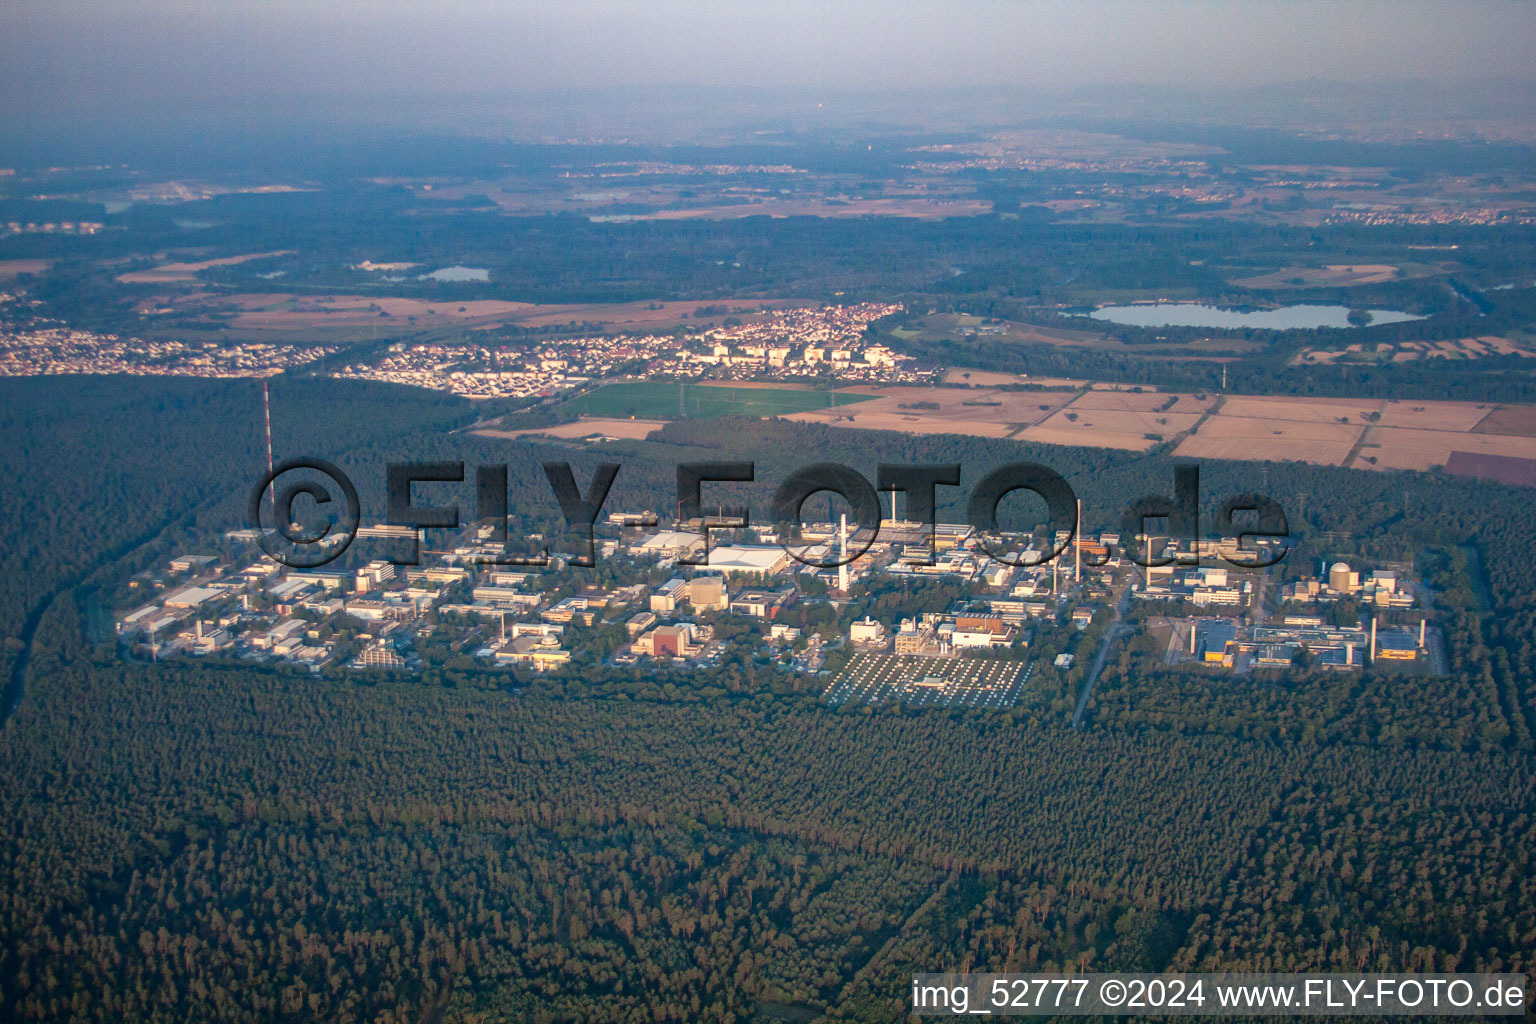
[(14, 268), (975, 412), (1092, 417), (1256, 429), (167, 273), (918, 207), (1307, 410), (929, 682), (283, 311), (1281, 429), (1458, 416), (965, 377), (1515, 420), (1411, 351), (937, 326), (595, 426), (639, 200), (1132, 421), (671, 400), (1503, 468), (1323, 453), (1335, 275), (1436, 446), (981, 331), (1058, 430), (1357, 433)]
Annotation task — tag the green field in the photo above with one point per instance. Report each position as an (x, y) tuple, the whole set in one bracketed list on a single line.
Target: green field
[(670, 400)]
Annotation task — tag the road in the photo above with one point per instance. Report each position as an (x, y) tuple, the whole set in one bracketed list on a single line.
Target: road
[(1258, 614), (1435, 642), (15, 686), (1115, 632)]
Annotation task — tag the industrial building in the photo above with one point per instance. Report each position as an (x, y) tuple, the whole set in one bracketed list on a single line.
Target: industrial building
[(1213, 639), (735, 559)]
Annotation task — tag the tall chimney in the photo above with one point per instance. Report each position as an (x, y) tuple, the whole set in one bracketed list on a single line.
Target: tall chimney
[(1421, 633), (1373, 639), (842, 553), (1077, 535)]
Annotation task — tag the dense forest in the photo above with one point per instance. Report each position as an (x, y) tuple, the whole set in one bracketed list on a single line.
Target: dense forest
[(199, 841), (243, 842)]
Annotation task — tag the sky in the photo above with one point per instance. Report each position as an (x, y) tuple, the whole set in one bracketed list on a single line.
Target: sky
[(69, 55)]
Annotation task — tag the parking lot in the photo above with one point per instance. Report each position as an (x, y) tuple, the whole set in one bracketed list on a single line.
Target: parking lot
[(929, 682)]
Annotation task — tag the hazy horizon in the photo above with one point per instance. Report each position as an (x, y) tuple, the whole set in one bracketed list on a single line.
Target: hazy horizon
[(73, 58)]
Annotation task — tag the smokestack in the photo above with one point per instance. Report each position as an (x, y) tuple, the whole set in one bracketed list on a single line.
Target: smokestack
[(842, 554), (1191, 636), (1421, 634), (1349, 654), (1077, 563), (1373, 639), (199, 629)]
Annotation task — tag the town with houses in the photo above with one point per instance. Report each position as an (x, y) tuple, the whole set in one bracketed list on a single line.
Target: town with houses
[(786, 344), (35, 346), (66, 350)]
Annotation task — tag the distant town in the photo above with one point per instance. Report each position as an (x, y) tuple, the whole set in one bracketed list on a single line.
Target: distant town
[(786, 345), (60, 350)]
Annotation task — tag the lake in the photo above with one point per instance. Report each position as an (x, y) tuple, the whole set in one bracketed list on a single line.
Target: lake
[(457, 273), (1194, 314)]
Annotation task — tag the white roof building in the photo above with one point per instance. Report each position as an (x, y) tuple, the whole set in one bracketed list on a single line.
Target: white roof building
[(669, 543), (191, 597), (736, 558)]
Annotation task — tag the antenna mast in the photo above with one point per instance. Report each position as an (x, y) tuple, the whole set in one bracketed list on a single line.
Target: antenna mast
[(266, 407)]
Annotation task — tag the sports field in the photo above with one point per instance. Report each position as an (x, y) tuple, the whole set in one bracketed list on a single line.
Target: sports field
[(935, 682), (671, 400)]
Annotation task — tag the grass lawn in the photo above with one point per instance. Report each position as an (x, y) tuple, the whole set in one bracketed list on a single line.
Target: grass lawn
[(669, 400)]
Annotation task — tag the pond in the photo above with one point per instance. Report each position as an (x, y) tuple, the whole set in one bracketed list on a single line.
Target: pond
[(457, 273), (1194, 314)]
